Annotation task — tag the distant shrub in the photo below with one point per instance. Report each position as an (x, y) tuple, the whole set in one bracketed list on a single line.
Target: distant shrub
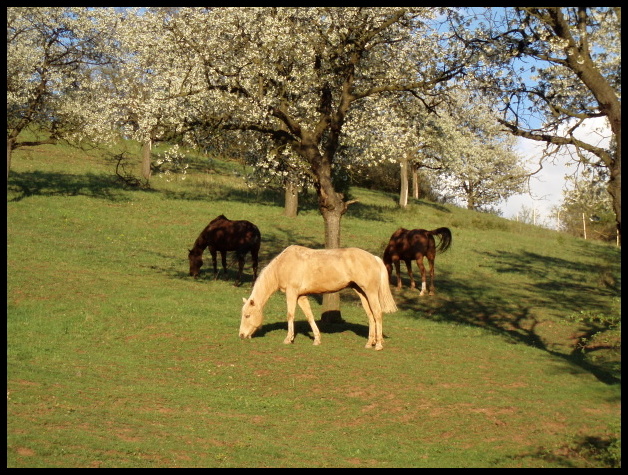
[(486, 223)]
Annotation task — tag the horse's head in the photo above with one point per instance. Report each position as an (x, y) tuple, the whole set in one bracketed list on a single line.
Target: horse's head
[(196, 261), (251, 318)]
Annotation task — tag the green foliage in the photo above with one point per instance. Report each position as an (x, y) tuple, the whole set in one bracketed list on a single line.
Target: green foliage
[(117, 358), (587, 208), (383, 177)]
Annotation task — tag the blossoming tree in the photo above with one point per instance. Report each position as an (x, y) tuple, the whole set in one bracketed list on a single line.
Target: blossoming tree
[(294, 74), (553, 68)]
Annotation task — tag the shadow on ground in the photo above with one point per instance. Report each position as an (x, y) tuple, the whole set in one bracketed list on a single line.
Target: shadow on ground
[(510, 310), (37, 183)]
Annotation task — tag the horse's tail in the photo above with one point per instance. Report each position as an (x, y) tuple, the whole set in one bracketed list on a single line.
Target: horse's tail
[(386, 300), (445, 238)]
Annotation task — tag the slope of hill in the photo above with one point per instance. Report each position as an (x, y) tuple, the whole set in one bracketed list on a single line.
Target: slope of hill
[(116, 357)]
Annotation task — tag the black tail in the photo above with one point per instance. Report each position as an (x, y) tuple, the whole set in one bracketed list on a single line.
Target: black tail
[(445, 238)]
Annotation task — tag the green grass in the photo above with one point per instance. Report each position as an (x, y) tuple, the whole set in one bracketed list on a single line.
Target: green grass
[(117, 358)]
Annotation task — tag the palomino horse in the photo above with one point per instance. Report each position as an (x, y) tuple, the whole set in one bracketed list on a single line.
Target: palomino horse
[(222, 235), (299, 271), (415, 244)]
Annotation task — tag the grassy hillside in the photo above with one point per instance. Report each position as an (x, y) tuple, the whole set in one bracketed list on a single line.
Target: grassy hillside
[(117, 358)]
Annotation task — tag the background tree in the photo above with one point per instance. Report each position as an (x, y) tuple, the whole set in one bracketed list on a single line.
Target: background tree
[(243, 67), (528, 215), (470, 154), (586, 210), (563, 67), (51, 53)]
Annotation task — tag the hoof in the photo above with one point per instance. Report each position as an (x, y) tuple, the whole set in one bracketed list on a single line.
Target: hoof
[(316, 342), (287, 342), (379, 347)]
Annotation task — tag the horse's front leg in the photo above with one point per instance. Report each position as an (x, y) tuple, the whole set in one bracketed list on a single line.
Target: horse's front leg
[(304, 303), (291, 302), (409, 267), (214, 261)]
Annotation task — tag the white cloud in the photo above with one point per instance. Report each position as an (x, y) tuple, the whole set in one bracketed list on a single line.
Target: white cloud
[(546, 187)]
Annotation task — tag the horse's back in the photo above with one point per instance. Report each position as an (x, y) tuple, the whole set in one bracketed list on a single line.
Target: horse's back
[(317, 268), (226, 235), (327, 255)]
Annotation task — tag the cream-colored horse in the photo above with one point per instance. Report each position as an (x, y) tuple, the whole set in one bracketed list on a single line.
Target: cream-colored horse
[(299, 271)]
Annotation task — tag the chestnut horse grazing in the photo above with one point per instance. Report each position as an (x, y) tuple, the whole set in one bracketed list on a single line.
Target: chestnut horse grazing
[(222, 235), (299, 271), (406, 245)]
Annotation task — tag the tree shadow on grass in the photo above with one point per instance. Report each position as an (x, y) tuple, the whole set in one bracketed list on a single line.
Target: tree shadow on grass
[(37, 183), (511, 310), (369, 212), (596, 451), (223, 192)]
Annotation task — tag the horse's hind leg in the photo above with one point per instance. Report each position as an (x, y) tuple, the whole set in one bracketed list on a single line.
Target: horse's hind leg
[(223, 257), (240, 268), (304, 303), (255, 259), (432, 285), (376, 335), (419, 261)]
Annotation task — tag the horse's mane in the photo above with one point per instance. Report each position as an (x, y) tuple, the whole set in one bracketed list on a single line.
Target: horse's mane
[(266, 282), (222, 217)]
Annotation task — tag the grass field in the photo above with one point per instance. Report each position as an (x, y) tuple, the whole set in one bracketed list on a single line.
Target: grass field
[(117, 358)]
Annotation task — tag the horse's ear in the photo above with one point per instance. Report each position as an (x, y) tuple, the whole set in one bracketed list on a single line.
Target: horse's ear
[(252, 303), (243, 300)]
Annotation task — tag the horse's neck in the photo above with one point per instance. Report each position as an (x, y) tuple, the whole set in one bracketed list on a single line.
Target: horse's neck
[(264, 287), (200, 244)]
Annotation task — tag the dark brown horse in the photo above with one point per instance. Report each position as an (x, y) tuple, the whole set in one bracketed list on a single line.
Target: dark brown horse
[(406, 245), (222, 235)]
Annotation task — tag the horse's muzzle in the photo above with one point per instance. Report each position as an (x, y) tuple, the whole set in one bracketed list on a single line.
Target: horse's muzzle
[(247, 333)]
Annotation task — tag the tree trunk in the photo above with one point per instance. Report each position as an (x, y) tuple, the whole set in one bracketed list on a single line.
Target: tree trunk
[(146, 148), (331, 205), (614, 183), (470, 201), (416, 186), (291, 200), (403, 193), (331, 302)]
